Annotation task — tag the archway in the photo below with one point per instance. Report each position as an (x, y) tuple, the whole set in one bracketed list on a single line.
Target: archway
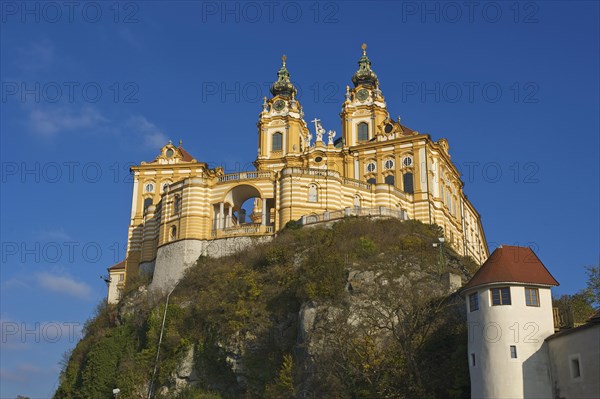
[(243, 205)]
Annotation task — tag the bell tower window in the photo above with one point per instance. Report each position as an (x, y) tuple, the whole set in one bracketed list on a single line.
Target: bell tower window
[(277, 143), (363, 132)]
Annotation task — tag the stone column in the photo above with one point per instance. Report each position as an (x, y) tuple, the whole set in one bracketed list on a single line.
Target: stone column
[(221, 215), (230, 217), (264, 211)]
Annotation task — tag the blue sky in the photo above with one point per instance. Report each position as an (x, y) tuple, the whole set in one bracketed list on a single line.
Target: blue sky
[(89, 89)]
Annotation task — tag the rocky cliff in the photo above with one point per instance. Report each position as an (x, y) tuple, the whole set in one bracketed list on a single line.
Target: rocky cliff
[(356, 309)]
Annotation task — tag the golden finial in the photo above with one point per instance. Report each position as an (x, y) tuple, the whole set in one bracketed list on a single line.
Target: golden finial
[(180, 142), (364, 48), (283, 58)]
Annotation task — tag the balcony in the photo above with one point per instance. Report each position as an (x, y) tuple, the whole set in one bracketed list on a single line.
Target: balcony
[(245, 176), (243, 230)]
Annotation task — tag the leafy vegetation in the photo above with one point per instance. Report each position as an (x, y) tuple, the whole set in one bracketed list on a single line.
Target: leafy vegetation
[(383, 325), (578, 307)]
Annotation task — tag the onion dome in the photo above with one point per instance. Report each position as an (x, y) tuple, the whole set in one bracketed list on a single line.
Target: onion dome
[(365, 75), (283, 87)]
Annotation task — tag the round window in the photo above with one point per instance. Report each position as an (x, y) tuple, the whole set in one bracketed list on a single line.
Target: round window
[(165, 187), (388, 128), (407, 161), (318, 159), (371, 167), (149, 187), (169, 153), (389, 164)]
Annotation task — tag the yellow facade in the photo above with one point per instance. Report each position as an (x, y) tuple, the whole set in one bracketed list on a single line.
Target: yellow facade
[(377, 166)]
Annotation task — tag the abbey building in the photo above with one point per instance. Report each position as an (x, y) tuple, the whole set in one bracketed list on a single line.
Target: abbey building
[(182, 209)]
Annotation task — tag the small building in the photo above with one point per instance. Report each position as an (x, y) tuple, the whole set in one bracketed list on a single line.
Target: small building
[(575, 360), (116, 282), (513, 350)]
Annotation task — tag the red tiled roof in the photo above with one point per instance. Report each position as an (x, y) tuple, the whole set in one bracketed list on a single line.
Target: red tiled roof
[(512, 264), (185, 156), (120, 265), (406, 130)]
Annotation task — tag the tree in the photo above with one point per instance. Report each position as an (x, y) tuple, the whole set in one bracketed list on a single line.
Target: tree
[(593, 283)]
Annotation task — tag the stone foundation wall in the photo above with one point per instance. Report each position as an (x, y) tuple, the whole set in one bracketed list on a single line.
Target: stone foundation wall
[(172, 260)]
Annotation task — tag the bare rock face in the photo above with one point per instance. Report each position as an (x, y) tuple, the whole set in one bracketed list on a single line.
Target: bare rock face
[(185, 374)]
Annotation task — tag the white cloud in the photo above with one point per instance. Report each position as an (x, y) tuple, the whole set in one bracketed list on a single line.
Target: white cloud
[(152, 136), (128, 37), (64, 285), (36, 56), (51, 121), (56, 234)]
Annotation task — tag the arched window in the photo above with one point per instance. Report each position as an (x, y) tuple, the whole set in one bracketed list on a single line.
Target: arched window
[(371, 180), (363, 132), (313, 195), (176, 204), (356, 201), (389, 179), (408, 183), (173, 233), (277, 144), (147, 203)]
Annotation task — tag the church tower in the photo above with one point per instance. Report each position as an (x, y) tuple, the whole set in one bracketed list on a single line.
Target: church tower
[(364, 109), (281, 127)]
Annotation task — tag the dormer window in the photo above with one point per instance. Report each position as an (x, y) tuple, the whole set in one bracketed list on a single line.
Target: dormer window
[(532, 296), (169, 153), (474, 302), (500, 296)]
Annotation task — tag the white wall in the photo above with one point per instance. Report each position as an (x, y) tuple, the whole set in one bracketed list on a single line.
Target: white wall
[(585, 345), (113, 290), (493, 329)]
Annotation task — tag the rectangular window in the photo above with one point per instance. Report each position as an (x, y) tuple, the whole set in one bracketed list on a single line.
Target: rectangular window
[(474, 302), (575, 367), (473, 359), (532, 297), (513, 352), (500, 296), (121, 276)]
